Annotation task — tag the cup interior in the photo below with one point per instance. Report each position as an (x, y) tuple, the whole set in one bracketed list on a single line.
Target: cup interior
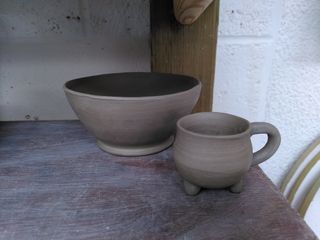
[(134, 84), (214, 124)]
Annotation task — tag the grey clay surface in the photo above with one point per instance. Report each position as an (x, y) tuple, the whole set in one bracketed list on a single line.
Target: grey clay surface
[(132, 114), (214, 150)]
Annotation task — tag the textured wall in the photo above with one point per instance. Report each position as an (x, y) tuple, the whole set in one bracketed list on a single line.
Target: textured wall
[(44, 43), (268, 69)]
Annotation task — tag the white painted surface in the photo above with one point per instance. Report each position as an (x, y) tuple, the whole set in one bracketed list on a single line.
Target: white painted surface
[(268, 69), (305, 186), (44, 43), (268, 61), (312, 214), (305, 159)]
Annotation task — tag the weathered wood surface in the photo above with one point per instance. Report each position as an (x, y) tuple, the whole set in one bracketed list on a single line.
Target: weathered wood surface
[(55, 183), (185, 49)]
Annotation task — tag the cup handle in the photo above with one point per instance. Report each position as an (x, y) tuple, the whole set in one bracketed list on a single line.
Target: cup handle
[(272, 144)]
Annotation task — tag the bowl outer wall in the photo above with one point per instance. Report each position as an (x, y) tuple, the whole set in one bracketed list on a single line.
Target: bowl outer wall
[(133, 121)]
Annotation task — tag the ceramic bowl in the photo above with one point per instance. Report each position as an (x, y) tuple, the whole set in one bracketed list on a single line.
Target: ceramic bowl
[(132, 114)]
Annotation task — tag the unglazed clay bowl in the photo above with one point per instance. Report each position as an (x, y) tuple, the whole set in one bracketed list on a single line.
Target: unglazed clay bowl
[(132, 114)]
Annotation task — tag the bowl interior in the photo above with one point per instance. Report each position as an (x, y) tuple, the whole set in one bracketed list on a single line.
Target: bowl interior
[(132, 84)]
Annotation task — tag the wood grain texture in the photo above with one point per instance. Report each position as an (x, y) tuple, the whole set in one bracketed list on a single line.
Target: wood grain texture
[(55, 183), (188, 11), (185, 49)]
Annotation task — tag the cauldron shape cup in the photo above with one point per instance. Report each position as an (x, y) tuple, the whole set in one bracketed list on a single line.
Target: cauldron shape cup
[(214, 150)]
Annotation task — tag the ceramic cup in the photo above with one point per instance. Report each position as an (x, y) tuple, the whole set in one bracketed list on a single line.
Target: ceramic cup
[(214, 150)]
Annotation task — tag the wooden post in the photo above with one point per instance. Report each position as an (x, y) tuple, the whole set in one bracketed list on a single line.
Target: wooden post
[(185, 49)]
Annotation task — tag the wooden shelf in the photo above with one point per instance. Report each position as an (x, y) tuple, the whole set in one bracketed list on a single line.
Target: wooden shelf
[(185, 49), (55, 183)]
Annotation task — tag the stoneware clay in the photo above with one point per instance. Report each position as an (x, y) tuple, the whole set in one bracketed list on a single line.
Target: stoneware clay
[(214, 150), (132, 114)]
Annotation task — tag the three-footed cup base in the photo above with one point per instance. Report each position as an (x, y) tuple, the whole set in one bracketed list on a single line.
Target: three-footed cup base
[(192, 189), (135, 151)]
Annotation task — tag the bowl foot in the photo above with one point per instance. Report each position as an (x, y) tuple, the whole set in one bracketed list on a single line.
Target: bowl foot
[(237, 187), (190, 188), (135, 151)]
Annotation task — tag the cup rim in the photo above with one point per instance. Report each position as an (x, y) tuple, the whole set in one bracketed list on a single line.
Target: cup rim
[(226, 136)]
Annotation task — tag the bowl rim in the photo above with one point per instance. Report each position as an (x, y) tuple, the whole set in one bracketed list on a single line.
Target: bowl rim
[(80, 94)]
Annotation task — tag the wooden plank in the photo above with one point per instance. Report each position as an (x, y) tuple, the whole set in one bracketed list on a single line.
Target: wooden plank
[(185, 49), (55, 183)]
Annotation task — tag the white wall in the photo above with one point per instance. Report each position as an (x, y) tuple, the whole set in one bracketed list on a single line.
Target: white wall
[(44, 43), (268, 60), (268, 69)]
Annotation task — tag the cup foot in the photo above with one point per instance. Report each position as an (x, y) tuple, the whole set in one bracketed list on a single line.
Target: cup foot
[(237, 187), (190, 188), (135, 151)]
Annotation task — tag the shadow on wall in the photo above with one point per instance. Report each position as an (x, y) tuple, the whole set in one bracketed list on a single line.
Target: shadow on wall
[(44, 43)]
